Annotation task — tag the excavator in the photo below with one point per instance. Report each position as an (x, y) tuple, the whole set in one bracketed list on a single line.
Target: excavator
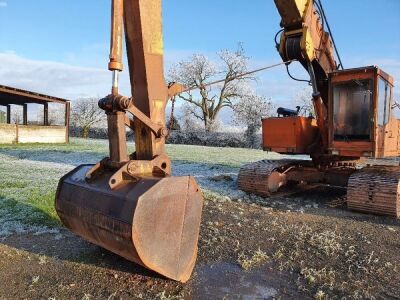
[(130, 204), (353, 123)]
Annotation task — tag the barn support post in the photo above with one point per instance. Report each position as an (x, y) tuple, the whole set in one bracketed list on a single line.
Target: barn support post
[(67, 119), (25, 114), (45, 114), (8, 114)]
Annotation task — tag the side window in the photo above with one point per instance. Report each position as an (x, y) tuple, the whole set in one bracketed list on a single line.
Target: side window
[(384, 94), (352, 110)]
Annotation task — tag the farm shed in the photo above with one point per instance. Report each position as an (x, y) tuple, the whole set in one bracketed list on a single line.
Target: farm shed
[(16, 128)]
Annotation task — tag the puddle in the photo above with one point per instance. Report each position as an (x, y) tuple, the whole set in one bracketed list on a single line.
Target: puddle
[(229, 281)]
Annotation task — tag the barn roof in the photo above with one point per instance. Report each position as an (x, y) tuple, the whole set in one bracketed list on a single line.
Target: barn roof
[(10, 95)]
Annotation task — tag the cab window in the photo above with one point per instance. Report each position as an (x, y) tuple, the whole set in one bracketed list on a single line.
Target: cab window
[(352, 102)]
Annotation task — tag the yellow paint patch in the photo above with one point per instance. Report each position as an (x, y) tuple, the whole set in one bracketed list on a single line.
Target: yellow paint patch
[(302, 6), (159, 104), (152, 24)]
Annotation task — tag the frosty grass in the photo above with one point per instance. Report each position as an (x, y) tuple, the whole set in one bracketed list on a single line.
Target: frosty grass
[(29, 175)]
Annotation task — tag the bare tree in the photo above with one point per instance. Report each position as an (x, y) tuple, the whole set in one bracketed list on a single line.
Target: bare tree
[(85, 114), (208, 101), (249, 112), (173, 124), (189, 122), (2, 116), (304, 100), (56, 115), (16, 114)]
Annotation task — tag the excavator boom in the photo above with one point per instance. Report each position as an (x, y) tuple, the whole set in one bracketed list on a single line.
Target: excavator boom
[(304, 38)]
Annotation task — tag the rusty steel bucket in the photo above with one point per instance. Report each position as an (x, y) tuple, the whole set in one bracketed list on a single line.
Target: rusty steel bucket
[(154, 221)]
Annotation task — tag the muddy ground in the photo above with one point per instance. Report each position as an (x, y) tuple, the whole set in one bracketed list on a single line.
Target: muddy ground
[(256, 249)]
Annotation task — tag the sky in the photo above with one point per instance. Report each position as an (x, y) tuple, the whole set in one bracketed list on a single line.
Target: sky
[(61, 47)]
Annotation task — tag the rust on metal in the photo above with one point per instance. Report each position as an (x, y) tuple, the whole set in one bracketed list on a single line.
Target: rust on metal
[(115, 63), (153, 221), (143, 32)]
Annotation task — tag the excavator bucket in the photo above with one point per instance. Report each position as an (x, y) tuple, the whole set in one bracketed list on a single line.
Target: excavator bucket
[(129, 204), (153, 222)]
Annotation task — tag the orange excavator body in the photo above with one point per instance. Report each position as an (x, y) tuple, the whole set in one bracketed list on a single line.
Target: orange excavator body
[(289, 135), (353, 121)]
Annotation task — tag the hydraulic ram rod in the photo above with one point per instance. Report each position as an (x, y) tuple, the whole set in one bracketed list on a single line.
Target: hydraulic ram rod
[(115, 64)]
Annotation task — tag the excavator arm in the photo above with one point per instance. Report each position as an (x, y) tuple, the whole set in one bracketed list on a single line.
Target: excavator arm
[(129, 204)]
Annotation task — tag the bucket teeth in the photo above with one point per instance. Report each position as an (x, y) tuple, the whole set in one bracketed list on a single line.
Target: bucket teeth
[(253, 177), (375, 189)]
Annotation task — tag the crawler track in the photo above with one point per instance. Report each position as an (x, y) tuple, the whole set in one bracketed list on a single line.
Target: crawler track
[(375, 189), (253, 177)]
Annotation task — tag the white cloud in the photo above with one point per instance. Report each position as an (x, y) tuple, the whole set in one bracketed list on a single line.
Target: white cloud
[(55, 78), (3, 4), (71, 82), (66, 79)]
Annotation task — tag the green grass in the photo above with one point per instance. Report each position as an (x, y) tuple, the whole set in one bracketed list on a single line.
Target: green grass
[(27, 190), (29, 173), (43, 204), (37, 210), (76, 144), (12, 185), (26, 202)]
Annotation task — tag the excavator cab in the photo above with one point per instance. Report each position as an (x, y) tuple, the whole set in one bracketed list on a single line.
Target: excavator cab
[(129, 204), (360, 120), (359, 116)]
